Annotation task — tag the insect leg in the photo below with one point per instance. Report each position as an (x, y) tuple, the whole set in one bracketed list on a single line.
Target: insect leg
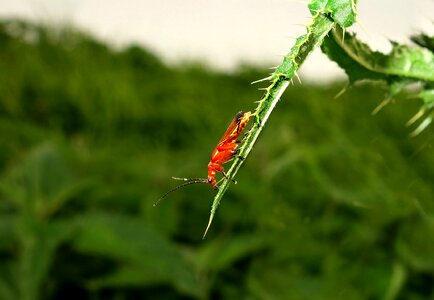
[(236, 153), (243, 138), (227, 177), (219, 168)]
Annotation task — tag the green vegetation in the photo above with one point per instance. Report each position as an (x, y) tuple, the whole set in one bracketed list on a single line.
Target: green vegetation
[(333, 203), (402, 67)]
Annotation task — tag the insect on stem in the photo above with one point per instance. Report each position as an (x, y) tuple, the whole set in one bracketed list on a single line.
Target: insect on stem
[(226, 150)]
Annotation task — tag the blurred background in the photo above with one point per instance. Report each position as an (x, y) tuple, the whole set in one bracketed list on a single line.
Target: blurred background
[(100, 104)]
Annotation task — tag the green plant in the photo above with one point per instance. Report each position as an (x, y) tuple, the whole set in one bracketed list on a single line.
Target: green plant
[(35, 191), (90, 133), (403, 66)]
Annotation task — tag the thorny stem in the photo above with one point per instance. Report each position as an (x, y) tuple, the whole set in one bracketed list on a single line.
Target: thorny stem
[(321, 25)]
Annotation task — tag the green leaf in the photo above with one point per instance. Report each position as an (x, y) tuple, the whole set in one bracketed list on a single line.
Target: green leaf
[(42, 183), (343, 12), (128, 276), (360, 62), (39, 241), (221, 253), (37, 186), (8, 286), (399, 68), (416, 243), (132, 243), (424, 40), (7, 230)]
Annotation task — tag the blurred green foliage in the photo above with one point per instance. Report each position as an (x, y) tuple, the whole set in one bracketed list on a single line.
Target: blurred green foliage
[(332, 204)]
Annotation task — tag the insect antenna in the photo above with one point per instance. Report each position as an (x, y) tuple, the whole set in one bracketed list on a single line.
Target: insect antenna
[(189, 182), (190, 179)]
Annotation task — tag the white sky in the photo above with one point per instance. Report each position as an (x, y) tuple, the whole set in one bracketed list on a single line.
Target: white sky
[(224, 33)]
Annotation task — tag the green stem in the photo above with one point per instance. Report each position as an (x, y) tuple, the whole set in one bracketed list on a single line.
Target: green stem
[(304, 45)]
